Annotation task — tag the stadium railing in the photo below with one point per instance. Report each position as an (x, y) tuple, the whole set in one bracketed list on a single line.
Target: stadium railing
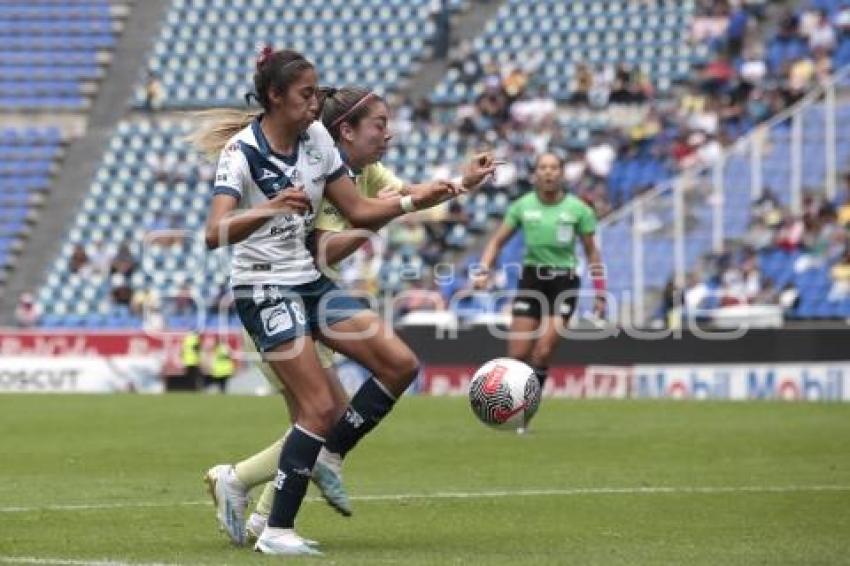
[(664, 233)]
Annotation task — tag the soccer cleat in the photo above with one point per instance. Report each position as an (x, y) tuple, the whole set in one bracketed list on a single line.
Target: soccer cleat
[(284, 542), (254, 526), (257, 523), (327, 475), (230, 499)]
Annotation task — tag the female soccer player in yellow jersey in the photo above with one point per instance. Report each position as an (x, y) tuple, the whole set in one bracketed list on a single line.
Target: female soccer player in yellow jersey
[(282, 318), (551, 220)]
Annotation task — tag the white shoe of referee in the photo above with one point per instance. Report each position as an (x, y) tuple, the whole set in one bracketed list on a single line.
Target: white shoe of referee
[(230, 498), (283, 542)]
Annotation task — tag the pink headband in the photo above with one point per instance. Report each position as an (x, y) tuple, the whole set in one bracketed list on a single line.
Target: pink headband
[(359, 103)]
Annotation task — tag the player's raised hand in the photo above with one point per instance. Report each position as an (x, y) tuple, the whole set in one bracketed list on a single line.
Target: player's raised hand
[(476, 171)]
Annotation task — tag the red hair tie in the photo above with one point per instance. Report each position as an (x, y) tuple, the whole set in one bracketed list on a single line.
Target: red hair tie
[(266, 51)]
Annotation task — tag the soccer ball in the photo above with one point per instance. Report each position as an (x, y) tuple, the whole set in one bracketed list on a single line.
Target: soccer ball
[(504, 393)]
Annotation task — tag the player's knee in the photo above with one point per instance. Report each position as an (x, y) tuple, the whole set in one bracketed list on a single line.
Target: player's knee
[(397, 361), (398, 370), (404, 366), (320, 414)]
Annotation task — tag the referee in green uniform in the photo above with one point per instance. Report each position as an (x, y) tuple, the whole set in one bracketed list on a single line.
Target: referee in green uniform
[(551, 221)]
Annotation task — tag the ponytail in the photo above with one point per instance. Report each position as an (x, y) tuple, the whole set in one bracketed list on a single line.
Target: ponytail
[(273, 70), (217, 126)]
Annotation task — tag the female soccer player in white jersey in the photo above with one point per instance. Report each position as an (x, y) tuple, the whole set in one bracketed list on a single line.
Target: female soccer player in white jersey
[(551, 220), (357, 119), (271, 179)]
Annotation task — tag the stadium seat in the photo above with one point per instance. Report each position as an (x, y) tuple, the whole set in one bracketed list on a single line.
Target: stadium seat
[(51, 55), (369, 42)]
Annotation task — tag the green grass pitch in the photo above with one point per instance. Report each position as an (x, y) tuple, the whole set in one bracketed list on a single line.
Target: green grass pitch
[(118, 479)]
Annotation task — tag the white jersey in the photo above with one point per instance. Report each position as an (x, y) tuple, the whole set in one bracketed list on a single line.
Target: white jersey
[(250, 171)]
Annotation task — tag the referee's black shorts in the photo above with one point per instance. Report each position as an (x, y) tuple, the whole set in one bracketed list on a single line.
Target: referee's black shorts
[(546, 291)]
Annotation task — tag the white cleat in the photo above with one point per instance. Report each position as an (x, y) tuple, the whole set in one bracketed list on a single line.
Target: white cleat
[(327, 475), (284, 542), (230, 498), (257, 523), (254, 526)]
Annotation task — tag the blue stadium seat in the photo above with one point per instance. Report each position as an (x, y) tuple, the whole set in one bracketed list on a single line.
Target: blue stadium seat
[(369, 42), (52, 53)]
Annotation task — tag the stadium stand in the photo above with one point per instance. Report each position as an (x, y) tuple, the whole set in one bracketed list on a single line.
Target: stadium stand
[(202, 57), (52, 54), (27, 161), (612, 155), (148, 183), (563, 36)]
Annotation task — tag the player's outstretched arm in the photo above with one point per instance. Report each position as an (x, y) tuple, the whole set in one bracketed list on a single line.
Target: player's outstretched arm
[(364, 212), (371, 213)]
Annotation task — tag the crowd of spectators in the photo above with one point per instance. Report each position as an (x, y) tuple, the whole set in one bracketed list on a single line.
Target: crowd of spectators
[(816, 239), (758, 63)]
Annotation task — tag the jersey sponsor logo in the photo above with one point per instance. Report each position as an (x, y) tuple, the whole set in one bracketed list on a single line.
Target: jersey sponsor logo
[(532, 215), (314, 156), (522, 305), (266, 174), (283, 232), (276, 319), (330, 210)]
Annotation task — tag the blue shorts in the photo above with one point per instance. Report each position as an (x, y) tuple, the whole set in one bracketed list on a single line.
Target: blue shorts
[(275, 314)]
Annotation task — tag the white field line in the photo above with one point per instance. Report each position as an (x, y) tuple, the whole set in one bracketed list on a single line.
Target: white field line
[(74, 562), (576, 491)]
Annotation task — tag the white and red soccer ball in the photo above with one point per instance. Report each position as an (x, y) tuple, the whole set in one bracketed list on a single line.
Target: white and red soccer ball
[(504, 393)]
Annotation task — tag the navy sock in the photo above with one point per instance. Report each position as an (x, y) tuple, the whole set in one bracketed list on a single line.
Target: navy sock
[(297, 458), (369, 405), (542, 374)]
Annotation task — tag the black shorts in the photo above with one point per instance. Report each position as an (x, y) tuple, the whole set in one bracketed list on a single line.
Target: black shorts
[(546, 291)]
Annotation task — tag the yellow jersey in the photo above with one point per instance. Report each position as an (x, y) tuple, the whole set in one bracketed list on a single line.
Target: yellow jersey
[(370, 181)]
